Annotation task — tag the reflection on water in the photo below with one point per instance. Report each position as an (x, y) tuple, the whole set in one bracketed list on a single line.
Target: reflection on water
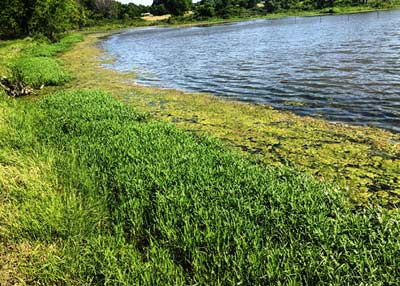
[(342, 68)]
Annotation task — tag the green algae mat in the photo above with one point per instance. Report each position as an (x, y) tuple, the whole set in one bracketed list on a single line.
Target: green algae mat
[(364, 160)]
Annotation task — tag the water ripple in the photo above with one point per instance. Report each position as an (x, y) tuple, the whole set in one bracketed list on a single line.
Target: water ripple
[(342, 68)]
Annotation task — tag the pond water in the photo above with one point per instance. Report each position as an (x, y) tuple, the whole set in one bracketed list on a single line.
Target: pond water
[(342, 68)]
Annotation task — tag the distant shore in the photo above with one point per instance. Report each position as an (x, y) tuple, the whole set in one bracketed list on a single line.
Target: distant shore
[(312, 13), (117, 27)]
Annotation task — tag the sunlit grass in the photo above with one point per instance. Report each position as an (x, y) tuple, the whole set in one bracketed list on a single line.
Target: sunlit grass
[(10, 50), (94, 192), (126, 201), (364, 160), (39, 71), (33, 64)]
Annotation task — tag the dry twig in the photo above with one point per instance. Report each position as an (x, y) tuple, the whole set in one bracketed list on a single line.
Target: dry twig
[(16, 89)]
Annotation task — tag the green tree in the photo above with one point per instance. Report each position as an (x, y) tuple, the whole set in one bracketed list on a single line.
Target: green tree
[(51, 17), (173, 7), (223, 7), (107, 8), (205, 9), (132, 10), (48, 17), (177, 7), (251, 3), (271, 5), (158, 9), (12, 18)]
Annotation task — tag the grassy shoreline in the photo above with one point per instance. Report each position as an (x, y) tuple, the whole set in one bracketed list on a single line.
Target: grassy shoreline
[(95, 193), (362, 159), (98, 186)]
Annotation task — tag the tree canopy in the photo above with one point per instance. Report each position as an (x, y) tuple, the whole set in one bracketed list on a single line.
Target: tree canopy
[(49, 17), (173, 7), (229, 8)]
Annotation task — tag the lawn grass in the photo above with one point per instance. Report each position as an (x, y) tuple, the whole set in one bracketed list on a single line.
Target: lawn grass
[(102, 195)]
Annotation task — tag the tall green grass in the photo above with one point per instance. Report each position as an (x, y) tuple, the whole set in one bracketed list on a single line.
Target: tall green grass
[(36, 65), (46, 49), (39, 71), (128, 201)]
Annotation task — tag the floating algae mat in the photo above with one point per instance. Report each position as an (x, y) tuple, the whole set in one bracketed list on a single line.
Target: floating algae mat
[(342, 68), (366, 160)]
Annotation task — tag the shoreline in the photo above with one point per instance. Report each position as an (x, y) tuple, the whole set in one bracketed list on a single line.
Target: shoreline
[(333, 152), (237, 99), (220, 21), (282, 15)]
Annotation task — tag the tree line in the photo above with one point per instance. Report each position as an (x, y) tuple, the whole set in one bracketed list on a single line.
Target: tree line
[(231, 8), (20, 18), (276, 5)]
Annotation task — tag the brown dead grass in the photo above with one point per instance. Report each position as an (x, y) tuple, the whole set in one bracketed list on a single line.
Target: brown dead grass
[(16, 259), (156, 18)]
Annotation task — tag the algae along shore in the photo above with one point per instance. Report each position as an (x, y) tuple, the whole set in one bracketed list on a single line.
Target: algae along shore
[(365, 161), (107, 182)]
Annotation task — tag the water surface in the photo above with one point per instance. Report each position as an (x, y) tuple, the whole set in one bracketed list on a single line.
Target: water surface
[(341, 68)]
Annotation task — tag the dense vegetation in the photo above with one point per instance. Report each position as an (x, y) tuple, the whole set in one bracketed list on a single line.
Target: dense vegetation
[(237, 8), (20, 18), (244, 8), (35, 66), (274, 5), (121, 200), (173, 7)]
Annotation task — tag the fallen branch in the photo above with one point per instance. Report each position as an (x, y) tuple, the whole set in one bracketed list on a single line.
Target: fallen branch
[(15, 89)]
